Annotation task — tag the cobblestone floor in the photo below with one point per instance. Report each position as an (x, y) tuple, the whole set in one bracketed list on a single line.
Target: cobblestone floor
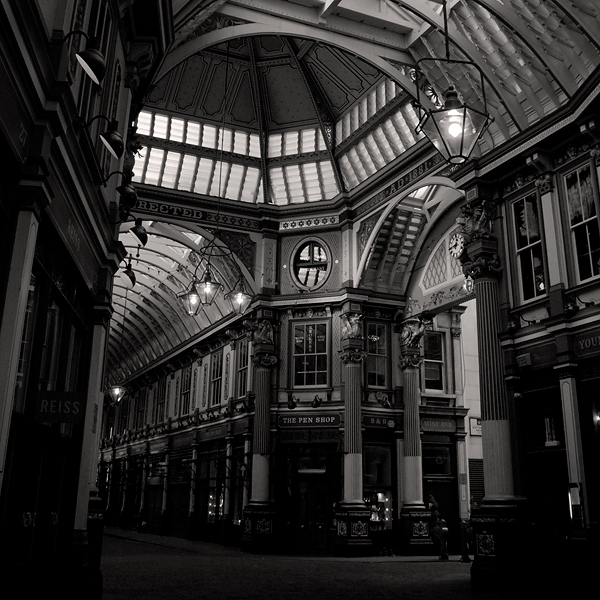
[(151, 567)]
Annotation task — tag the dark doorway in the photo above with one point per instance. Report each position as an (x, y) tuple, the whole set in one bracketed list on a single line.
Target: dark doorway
[(308, 486)]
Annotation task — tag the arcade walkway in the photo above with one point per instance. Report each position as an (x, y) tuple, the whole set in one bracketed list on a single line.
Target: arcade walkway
[(151, 567)]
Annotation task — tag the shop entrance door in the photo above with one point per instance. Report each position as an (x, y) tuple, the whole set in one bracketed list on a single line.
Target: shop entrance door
[(313, 506)]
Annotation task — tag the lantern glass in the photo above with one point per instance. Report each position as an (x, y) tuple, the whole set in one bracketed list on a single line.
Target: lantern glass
[(191, 300), (116, 392)]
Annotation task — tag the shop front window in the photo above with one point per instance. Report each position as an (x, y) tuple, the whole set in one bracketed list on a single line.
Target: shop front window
[(377, 485)]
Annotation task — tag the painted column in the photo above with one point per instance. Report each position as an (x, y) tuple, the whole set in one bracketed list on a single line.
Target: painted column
[(13, 319), (352, 514), (247, 469), (461, 444), (497, 523), (414, 515), (259, 513)]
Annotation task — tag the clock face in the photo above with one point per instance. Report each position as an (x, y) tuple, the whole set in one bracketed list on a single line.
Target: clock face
[(457, 245)]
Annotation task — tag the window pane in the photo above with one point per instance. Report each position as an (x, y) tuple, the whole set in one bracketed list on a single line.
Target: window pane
[(433, 345)]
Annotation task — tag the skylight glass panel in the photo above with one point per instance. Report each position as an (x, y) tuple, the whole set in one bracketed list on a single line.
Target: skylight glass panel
[(290, 143), (171, 169), (251, 181), (308, 142), (311, 182), (365, 158), (372, 103), (161, 126), (240, 142), (254, 145), (220, 175), (177, 129), (354, 120), (225, 139), (144, 123), (356, 164), (321, 141), (234, 184), (209, 136), (330, 187), (383, 144), (275, 145), (188, 170), (294, 183), (392, 136), (350, 178), (380, 95), (203, 175), (374, 151), (363, 115), (154, 167), (278, 186), (192, 135)]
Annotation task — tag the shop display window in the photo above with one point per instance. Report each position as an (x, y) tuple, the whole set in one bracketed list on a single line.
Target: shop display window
[(377, 485)]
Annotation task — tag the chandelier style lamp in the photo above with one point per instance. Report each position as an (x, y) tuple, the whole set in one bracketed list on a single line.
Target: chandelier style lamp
[(203, 291), (239, 297), (455, 128)]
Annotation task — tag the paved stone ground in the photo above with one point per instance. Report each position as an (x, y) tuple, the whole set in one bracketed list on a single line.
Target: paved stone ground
[(152, 567)]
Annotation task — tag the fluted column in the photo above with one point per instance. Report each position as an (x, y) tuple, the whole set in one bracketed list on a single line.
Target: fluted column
[(353, 470), (259, 514), (497, 453), (498, 523), (414, 515), (263, 363)]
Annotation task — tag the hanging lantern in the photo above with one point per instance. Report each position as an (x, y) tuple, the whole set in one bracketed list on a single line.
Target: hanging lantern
[(116, 392), (191, 300), (240, 299), (454, 129)]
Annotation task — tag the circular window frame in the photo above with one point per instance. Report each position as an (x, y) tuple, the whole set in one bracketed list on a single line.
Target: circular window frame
[(295, 251)]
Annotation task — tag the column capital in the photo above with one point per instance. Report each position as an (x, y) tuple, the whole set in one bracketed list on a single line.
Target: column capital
[(352, 355), (351, 326), (264, 360), (481, 258), (410, 360)]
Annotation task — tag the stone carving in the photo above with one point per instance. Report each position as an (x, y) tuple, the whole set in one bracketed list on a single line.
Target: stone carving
[(482, 266), (412, 332), (411, 361), (261, 330), (353, 356), (351, 326), (478, 219)]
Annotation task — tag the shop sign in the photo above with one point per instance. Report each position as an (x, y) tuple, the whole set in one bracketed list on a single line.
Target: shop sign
[(213, 433), (587, 343), (429, 424), (378, 422), (309, 420), (60, 407)]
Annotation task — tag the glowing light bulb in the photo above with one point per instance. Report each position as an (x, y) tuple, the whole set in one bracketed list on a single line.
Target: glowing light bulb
[(454, 129)]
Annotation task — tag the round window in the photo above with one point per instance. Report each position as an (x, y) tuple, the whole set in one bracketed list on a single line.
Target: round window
[(311, 264)]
